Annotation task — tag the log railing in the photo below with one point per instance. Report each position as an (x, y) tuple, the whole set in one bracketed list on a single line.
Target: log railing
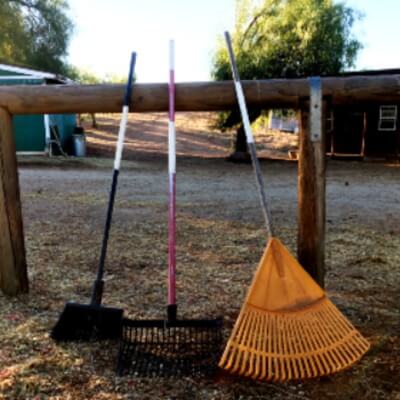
[(202, 96)]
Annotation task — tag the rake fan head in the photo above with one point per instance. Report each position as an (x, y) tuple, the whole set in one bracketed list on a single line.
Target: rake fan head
[(170, 348), (288, 328)]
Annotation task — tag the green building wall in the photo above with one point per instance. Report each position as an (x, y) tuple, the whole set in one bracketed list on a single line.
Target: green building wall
[(29, 130), (29, 133)]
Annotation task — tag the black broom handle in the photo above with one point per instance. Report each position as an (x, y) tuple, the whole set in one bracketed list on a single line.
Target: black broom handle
[(99, 283), (249, 137)]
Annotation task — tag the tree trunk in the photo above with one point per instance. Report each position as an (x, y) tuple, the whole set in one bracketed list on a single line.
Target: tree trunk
[(94, 121), (13, 269), (240, 153)]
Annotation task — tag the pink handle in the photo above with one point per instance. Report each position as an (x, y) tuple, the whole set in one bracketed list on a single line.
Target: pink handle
[(172, 184)]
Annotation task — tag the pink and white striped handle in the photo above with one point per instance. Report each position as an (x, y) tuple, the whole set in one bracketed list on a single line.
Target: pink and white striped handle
[(172, 181)]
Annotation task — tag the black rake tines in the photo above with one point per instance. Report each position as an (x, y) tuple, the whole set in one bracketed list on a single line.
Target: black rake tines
[(170, 348)]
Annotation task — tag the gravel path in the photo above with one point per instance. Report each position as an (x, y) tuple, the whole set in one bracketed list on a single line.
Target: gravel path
[(220, 241)]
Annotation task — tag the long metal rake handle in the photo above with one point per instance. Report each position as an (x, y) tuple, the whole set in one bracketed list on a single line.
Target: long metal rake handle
[(97, 293), (172, 307), (249, 137)]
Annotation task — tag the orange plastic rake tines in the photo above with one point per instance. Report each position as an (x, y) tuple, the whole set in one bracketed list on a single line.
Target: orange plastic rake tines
[(287, 327)]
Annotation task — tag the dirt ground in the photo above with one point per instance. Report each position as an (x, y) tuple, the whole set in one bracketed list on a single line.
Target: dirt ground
[(196, 137), (221, 238)]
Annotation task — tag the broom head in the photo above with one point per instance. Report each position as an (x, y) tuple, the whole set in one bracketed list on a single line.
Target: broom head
[(82, 322), (288, 328)]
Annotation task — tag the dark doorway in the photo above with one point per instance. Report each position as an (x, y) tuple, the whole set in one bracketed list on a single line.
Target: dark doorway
[(348, 134)]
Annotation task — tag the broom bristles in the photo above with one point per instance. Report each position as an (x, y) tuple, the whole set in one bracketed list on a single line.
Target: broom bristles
[(279, 346)]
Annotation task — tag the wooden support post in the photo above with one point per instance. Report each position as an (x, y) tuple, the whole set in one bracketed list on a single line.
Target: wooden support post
[(13, 271), (311, 188), (363, 134), (397, 148)]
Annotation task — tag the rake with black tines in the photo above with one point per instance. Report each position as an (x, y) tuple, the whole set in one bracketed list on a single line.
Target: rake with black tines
[(287, 327), (170, 347)]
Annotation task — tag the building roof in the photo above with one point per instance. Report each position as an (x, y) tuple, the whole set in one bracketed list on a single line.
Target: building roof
[(371, 72), (17, 72)]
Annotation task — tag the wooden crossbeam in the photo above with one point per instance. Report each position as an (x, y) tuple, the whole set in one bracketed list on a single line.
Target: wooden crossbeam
[(199, 96)]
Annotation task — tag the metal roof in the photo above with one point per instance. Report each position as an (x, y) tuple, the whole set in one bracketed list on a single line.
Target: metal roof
[(28, 73), (387, 71)]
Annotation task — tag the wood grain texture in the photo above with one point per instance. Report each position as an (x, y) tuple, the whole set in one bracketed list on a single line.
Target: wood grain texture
[(198, 96), (13, 269), (311, 195)]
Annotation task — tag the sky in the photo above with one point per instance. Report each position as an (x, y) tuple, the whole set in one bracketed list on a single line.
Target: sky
[(106, 31)]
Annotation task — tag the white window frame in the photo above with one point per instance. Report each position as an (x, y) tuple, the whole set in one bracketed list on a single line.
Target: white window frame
[(385, 118)]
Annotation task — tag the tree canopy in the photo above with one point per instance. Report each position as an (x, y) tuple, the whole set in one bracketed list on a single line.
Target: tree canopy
[(290, 38), (287, 39), (35, 33)]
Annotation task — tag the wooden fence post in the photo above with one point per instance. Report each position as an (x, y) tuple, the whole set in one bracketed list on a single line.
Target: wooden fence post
[(13, 270), (311, 185)]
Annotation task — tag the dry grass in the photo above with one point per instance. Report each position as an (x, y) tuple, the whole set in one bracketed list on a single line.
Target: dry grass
[(220, 240), (216, 255)]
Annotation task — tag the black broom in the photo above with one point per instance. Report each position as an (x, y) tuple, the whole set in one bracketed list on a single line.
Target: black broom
[(86, 321)]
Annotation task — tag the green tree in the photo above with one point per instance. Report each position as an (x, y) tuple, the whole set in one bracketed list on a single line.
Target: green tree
[(35, 33), (85, 76), (285, 39), (82, 75)]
